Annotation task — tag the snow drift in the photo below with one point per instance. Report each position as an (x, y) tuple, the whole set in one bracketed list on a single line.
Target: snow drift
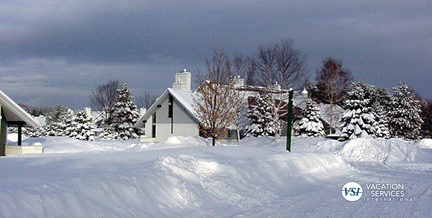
[(171, 178), (371, 150), (425, 143), (182, 176)]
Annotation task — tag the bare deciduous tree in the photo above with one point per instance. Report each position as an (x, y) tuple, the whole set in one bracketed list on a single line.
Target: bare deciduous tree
[(215, 96), (280, 63), (239, 119), (244, 67), (332, 79), (279, 102), (145, 100), (102, 98)]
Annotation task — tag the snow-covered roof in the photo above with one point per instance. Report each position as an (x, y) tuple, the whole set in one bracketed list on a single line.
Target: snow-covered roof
[(14, 113), (184, 98), (299, 99)]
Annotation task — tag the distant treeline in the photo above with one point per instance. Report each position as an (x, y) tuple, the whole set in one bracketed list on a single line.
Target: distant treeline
[(36, 110)]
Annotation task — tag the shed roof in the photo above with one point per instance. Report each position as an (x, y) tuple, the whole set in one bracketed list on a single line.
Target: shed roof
[(14, 113)]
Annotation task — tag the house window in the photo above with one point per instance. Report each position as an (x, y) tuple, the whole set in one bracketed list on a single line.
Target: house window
[(154, 125), (170, 107), (170, 112), (153, 131)]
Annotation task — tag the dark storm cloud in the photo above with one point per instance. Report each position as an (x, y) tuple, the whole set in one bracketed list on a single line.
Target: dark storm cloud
[(75, 45)]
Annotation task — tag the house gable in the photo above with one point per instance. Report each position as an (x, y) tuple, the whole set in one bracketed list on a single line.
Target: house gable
[(182, 99)]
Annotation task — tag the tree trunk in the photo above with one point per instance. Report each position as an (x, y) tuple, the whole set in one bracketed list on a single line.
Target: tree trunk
[(238, 135), (214, 141), (331, 117), (276, 136)]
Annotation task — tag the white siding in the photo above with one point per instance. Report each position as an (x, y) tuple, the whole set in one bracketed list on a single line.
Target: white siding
[(183, 124)]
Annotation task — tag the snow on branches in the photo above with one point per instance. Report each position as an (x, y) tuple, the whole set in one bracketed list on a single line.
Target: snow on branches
[(310, 124), (405, 119), (260, 114), (359, 120), (124, 115), (80, 127)]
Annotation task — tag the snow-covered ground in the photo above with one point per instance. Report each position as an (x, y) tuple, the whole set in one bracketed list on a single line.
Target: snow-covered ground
[(184, 177)]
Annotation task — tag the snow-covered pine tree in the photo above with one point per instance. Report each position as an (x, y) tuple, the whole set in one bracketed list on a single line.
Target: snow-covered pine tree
[(359, 118), (108, 133), (370, 106), (81, 128), (67, 121), (55, 121), (405, 119), (380, 105), (124, 115), (34, 131), (310, 124), (260, 115)]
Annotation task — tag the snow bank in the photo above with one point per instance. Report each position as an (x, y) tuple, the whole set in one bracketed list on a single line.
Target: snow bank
[(184, 176), (57, 144), (372, 150), (175, 141), (12, 139), (425, 143), (184, 140), (174, 180)]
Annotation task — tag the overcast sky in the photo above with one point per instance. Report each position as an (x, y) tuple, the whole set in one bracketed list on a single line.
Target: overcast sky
[(56, 52)]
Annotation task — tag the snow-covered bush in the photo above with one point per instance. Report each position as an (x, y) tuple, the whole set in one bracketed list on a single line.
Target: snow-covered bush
[(108, 133), (405, 119), (34, 131), (124, 115), (359, 119), (81, 127), (260, 114), (310, 123), (56, 121)]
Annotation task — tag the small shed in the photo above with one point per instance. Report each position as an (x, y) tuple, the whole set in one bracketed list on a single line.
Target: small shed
[(12, 115)]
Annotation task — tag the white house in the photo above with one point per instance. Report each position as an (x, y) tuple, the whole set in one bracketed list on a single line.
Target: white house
[(12, 115), (173, 113)]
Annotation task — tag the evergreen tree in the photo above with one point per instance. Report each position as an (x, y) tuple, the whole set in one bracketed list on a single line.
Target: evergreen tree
[(125, 115), (405, 119), (108, 133), (310, 124), (381, 105), (68, 122), (260, 115), (359, 119), (34, 131), (55, 121), (81, 127)]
